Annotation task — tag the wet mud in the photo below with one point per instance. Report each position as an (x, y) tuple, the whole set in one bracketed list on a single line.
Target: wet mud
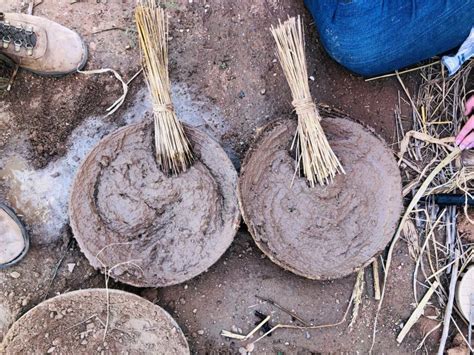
[(322, 232), (148, 229)]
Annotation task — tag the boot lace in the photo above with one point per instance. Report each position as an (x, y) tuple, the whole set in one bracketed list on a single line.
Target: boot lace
[(19, 36)]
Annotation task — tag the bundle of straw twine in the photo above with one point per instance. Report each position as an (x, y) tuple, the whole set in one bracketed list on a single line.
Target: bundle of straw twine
[(313, 152), (173, 150)]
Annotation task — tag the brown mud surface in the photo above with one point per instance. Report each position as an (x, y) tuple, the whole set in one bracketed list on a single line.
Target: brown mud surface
[(150, 229), (325, 232), (222, 57), (75, 323)]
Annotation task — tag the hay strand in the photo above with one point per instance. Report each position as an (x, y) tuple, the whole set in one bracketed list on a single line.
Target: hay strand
[(173, 151), (318, 161)]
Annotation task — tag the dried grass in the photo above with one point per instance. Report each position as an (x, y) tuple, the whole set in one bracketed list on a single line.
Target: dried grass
[(313, 152), (430, 164), (173, 151)]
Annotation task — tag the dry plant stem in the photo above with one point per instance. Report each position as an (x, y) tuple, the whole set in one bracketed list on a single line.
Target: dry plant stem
[(173, 151), (358, 291), (449, 308), (453, 155), (417, 312), (375, 271), (287, 311), (320, 164)]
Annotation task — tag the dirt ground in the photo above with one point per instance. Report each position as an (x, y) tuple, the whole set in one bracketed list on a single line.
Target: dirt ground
[(227, 81)]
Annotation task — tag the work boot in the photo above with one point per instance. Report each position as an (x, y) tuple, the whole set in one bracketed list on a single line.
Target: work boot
[(14, 240), (40, 45)]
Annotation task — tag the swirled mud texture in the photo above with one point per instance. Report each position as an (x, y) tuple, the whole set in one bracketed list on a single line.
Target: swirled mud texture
[(321, 232), (75, 322), (146, 228)]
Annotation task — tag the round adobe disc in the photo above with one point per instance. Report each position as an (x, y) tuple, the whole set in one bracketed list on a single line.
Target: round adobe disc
[(146, 228), (75, 322), (324, 232)]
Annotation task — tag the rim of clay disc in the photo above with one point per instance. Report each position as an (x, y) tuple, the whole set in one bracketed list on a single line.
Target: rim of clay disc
[(223, 173), (261, 135), (23, 321)]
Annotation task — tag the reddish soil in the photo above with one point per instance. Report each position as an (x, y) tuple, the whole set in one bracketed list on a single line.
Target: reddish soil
[(224, 55)]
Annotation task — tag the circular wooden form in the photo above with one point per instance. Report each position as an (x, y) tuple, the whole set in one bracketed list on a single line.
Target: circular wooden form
[(75, 322), (148, 229), (322, 232)]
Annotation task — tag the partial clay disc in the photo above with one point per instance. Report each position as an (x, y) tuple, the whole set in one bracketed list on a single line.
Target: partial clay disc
[(75, 322), (465, 294), (321, 232), (148, 229)]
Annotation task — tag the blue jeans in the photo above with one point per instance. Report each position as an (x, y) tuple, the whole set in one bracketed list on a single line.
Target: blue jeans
[(372, 37)]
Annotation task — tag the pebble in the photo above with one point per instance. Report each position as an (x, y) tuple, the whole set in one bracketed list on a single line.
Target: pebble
[(15, 274), (24, 302), (195, 310), (234, 329), (311, 78), (263, 92), (200, 332), (71, 267), (182, 300), (84, 342), (307, 335), (250, 347), (51, 349)]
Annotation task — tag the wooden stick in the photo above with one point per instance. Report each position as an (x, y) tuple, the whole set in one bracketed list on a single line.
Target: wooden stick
[(375, 271), (449, 307), (417, 312)]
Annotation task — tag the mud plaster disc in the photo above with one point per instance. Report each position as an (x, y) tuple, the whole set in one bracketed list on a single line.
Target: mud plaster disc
[(74, 323), (148, 229), (322, 232), (465, 294)]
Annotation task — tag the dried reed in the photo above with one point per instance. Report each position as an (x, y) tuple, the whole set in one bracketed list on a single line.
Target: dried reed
[(313, 152), (173, 151)]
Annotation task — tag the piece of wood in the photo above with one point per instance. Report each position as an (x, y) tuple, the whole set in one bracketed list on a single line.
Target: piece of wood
[(417, 312), (375, 271)]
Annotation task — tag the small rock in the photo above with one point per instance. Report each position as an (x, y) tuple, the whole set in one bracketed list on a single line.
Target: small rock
[(200, 332), (186, 287), (311, 78), (24, 302), (51, 349), (263, 92), (241, 94), (84, 342), (234, 329), (307, 335), (195, 310), (182, 300), (70, 267), (250, 347), (239, 330), (15, 274)]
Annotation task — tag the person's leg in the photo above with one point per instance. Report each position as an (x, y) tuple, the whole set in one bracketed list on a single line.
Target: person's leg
[(372, 37)]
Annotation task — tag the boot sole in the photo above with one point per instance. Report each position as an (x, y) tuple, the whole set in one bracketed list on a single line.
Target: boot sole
[(24, 233)]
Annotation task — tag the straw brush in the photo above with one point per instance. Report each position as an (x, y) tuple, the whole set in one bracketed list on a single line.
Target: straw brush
[(173, 151), (313, 152)]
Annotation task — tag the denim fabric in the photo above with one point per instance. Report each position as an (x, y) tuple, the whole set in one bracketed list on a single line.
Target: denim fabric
[(372, 37)]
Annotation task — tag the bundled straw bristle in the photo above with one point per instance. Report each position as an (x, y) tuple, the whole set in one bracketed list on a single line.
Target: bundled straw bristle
[(313, 152), (173, 150)]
